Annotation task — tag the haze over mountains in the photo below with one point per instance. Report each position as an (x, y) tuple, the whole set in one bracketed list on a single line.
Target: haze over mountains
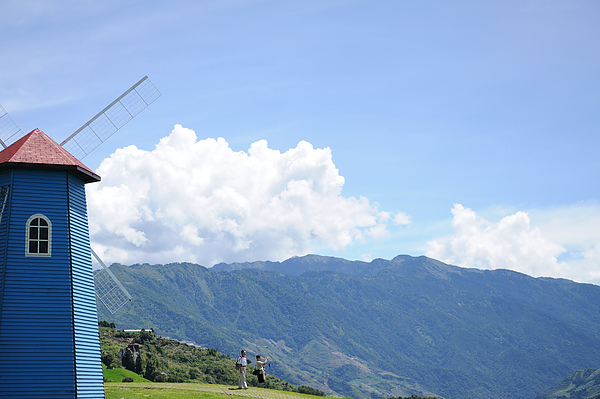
[(384, 328)]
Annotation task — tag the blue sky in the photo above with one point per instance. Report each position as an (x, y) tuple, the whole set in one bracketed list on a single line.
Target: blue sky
[(469, 129)]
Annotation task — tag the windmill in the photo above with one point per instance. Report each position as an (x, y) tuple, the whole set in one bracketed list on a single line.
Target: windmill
[(109, 289), (49, 343)]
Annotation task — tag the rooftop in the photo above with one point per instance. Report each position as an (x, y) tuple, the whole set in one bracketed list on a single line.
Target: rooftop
[(38, 151)]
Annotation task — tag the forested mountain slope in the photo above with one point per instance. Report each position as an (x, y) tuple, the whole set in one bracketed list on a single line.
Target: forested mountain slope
[(379, 329), (582, 384)]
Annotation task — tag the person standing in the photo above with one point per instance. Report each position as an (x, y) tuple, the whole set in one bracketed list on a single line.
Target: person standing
[(241, 364), (261, 370)]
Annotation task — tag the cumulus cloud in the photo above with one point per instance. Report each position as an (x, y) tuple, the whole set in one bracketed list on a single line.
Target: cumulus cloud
[(512, 243), (402, 219), (574, 226), (200, 201)]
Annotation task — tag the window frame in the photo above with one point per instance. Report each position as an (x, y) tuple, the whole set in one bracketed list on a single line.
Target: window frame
[(29, 239)]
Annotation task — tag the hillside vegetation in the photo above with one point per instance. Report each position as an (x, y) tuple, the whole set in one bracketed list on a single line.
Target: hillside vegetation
[(168, 360), (582, 384), (379, 329)]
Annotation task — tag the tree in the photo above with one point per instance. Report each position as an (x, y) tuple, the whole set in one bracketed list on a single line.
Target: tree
[(150, 372), (127, 361), (105, 323), (107, 358), (138, 365), (145, 336)]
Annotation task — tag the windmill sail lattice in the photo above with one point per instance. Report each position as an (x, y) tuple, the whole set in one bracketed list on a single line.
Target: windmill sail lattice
[(9, 130), (112, 118), (109, 289)]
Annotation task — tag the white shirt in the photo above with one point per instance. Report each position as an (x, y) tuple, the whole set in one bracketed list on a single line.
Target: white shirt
[(242, 361)]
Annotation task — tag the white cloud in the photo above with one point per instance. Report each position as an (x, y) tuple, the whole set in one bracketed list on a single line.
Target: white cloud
[(512, 243), (200, 201), (402, 219), (575, 227)]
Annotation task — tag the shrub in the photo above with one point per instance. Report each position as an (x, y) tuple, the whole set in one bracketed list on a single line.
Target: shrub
[(108, 358), (310, 391)]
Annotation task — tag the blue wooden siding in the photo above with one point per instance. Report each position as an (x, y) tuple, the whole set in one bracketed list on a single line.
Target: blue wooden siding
[(5, 180), (87, 342), (36, 335), (47, 319)]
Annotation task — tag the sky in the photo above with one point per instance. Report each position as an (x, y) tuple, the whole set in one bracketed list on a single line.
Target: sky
[(465, 131)]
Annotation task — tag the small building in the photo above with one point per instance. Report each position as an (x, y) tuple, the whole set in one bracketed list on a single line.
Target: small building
[(136, 331)]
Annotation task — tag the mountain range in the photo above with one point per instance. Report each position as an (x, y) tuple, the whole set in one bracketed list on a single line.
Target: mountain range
[(410, 325)]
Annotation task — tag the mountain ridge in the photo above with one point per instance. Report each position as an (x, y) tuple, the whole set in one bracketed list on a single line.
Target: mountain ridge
[(448, 331)]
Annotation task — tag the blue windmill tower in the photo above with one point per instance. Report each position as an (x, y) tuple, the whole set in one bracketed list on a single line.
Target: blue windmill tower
[(49, 342)]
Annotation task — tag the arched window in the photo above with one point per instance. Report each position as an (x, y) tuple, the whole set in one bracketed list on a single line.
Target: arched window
[(39, 236)]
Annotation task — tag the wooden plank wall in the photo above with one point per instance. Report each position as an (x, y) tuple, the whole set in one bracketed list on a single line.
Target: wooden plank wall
[(49, 344)]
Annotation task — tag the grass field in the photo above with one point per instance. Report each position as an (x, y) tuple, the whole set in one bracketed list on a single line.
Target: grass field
[(136, 390), (117, 375)]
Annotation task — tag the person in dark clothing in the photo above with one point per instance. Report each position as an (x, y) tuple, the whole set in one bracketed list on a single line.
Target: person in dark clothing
[(261, 370)]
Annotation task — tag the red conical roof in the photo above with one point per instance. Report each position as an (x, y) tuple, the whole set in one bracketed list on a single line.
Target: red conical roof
[(37, 150)]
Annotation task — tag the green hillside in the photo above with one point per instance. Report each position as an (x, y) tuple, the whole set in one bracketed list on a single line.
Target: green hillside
[(120, 374), (582, 384), (379, 329), (168, 360)]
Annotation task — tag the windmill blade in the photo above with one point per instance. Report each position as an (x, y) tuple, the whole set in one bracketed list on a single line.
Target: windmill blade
[(109, 289), (98, 129), (9, 130)]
